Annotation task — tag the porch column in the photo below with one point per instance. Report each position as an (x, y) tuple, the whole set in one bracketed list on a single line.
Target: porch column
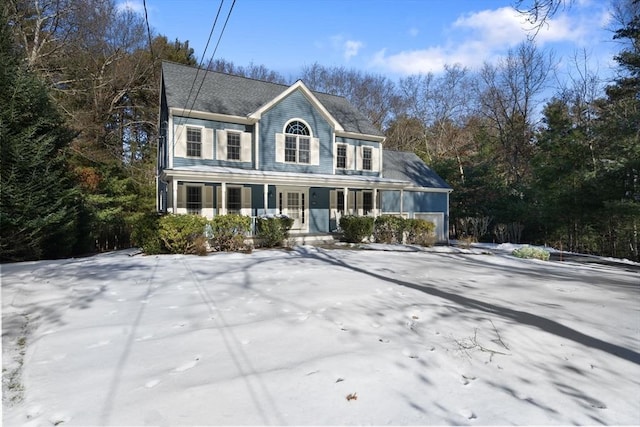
[(345, 199), (223, 196), (266, 197), (375, 208), (401, 200), (174, 198)]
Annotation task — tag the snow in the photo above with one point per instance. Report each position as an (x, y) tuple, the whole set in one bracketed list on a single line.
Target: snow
[(311, 336)]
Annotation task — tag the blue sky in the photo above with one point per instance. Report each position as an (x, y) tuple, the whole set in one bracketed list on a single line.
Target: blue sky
[(394, 38)]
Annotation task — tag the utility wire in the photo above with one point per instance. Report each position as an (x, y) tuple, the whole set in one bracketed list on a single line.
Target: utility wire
[(195, 79), (212, 56), (146, 18)]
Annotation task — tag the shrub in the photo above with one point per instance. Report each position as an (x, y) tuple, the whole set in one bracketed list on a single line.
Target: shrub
[(180, 233), (389, 229), (145, 233), (531, 253), (273, 231), (228, 232), (356, 228), (420, 232)]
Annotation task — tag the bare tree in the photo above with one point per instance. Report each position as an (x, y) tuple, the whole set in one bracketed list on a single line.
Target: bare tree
[(444, 104), (374, 95), (538, 12), (42, 27), (508, 93), (252, 71)]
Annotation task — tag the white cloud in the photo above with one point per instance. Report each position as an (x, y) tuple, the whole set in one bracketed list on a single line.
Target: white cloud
[(348, 48), (351, 48), (485, 36), (132, 5)]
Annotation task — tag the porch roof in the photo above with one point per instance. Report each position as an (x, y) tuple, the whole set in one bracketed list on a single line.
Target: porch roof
[(204, 173)]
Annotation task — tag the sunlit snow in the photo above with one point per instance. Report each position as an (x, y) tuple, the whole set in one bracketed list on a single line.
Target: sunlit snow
[(320, 336)]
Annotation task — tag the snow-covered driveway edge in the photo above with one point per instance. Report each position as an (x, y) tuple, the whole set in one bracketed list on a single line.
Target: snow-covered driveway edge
[(284, 337)]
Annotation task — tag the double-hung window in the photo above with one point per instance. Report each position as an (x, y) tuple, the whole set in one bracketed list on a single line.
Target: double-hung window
[(233, 146), (297, 143), (366, 158), (340, 201), (194, 142), (194, 199), (341, 156), (367, 202), (234, 200)]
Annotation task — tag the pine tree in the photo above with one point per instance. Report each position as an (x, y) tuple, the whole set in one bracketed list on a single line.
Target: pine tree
[(37, 200)]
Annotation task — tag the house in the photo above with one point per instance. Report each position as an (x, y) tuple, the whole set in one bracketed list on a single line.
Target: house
[(230, 144)]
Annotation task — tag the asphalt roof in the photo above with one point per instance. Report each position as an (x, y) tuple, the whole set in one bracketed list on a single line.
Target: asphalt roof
[(240, 96), (407, 166)]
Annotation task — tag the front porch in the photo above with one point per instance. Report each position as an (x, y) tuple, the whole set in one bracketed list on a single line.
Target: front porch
[(314, 202)]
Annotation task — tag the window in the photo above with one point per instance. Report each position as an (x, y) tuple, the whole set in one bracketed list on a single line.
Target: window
[(194, 200), (367, 202), (342, 156), (366, 158), (234, 200), (194, 142), (233, 146), (304, 150), (297, 144), (290, 148), (340, 201), (297, 128)]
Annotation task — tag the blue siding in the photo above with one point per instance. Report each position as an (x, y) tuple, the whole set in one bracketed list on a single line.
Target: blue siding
[(416, 201), (296, 105), (390, 201), (215, 125)]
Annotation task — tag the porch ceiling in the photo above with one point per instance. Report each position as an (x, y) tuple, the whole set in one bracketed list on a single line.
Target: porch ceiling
[(246, 176)]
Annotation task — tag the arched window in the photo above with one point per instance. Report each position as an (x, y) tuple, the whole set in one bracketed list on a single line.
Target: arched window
[(296, 127), (297, 142)]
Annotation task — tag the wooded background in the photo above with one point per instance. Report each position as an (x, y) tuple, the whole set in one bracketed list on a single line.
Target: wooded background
[(79, 82)]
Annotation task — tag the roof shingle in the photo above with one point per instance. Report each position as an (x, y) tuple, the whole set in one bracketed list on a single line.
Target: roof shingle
[(240, 96)]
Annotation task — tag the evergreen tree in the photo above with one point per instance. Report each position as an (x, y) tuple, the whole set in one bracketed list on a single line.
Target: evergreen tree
[(38, 217), (620, 140)]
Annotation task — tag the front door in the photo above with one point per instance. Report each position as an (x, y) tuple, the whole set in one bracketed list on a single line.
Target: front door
[(293, 203)]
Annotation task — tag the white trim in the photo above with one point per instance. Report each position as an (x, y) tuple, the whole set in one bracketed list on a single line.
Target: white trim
[(361, 136), (257, 115), (284, 178), (294, 189), (297, 119), (170, 140), (256, 139), (189, 114)]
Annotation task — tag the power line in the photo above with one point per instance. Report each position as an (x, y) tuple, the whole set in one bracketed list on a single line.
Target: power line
[(195, 79), (212, 56), (201, 63), (146, 19)]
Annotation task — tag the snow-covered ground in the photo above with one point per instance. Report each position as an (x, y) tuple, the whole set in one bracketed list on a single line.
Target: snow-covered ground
[(319, 336)]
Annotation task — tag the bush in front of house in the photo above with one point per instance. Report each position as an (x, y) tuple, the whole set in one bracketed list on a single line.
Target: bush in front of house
[(389, 229), (531, 253), (228, 232), (420, 232), (273, 231), (146, 234), (183, 234), (356, 228)]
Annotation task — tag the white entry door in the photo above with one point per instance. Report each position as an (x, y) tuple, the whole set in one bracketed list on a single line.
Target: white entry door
[(293, 203)]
